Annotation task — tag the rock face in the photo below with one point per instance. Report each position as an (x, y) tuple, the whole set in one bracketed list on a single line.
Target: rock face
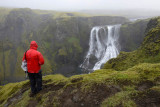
[(62, 38), (132, 35)]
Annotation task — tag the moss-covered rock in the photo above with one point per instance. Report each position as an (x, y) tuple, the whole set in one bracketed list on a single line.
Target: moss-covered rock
[(137, 86)]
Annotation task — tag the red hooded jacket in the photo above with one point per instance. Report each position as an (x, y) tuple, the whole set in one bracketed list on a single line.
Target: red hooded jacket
[(34, 58)]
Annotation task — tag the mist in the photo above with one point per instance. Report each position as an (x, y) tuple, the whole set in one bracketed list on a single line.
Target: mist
[(77, 5)]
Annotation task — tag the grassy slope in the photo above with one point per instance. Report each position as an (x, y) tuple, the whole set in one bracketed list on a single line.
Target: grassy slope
[(136, 84), (103, 87)]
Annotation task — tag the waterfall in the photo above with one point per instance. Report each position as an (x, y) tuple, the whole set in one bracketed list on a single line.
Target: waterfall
[(103, 45)]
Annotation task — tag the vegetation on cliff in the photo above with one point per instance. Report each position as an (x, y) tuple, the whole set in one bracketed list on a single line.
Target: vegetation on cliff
[(132, 79), (132, 35), (62, 38), (148, 52)]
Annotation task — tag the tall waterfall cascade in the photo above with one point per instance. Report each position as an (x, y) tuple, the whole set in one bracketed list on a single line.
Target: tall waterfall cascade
[(103, 45)]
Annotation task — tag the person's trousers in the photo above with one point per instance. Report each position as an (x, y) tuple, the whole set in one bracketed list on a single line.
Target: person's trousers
[(35, 81)]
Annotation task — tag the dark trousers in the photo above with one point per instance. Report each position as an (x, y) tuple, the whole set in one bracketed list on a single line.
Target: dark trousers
[(35, 81)]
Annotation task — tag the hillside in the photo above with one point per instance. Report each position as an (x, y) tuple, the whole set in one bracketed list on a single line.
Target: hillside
[(132, 34), (62, 38), (132, 79)]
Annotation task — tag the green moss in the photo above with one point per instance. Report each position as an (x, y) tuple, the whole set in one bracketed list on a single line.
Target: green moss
[(156, 88), (43, 99), (119, 99), (124, 78), (124, 61), (76, 43), (23, 101), (9, 90), (147, 71), (128, 82), (129, 88), (62, 52), (56, 79)]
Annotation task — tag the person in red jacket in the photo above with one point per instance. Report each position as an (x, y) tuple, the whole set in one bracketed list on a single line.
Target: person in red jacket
[(34, 61)]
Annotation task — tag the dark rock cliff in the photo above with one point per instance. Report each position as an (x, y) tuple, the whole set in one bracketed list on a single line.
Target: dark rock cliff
[(132, 35), (62, 40)]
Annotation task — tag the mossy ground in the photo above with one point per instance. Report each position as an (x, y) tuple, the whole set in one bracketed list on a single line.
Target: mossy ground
[(103, 87)]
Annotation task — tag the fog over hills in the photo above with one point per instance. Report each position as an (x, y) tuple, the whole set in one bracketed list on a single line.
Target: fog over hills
[(127, 8), (131, 13), (98, 53), (82, 4)]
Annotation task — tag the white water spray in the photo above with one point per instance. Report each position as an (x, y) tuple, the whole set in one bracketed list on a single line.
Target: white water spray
[(102, 46)]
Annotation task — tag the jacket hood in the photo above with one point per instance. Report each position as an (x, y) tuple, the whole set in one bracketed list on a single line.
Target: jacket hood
[(33, 45)]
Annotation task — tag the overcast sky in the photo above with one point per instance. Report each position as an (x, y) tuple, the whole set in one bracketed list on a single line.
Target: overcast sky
[(82, 4)]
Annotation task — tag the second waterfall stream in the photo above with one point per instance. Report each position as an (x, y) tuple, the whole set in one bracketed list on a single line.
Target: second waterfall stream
[(103, 45)]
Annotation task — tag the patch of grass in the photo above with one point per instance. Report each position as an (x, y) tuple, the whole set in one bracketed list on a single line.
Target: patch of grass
[(97, 77), (24, 100), (129, 88), (147, 71), (56, 79), (156, 88), (124, 61), (9, 90), (124, 78), (119, 99)]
